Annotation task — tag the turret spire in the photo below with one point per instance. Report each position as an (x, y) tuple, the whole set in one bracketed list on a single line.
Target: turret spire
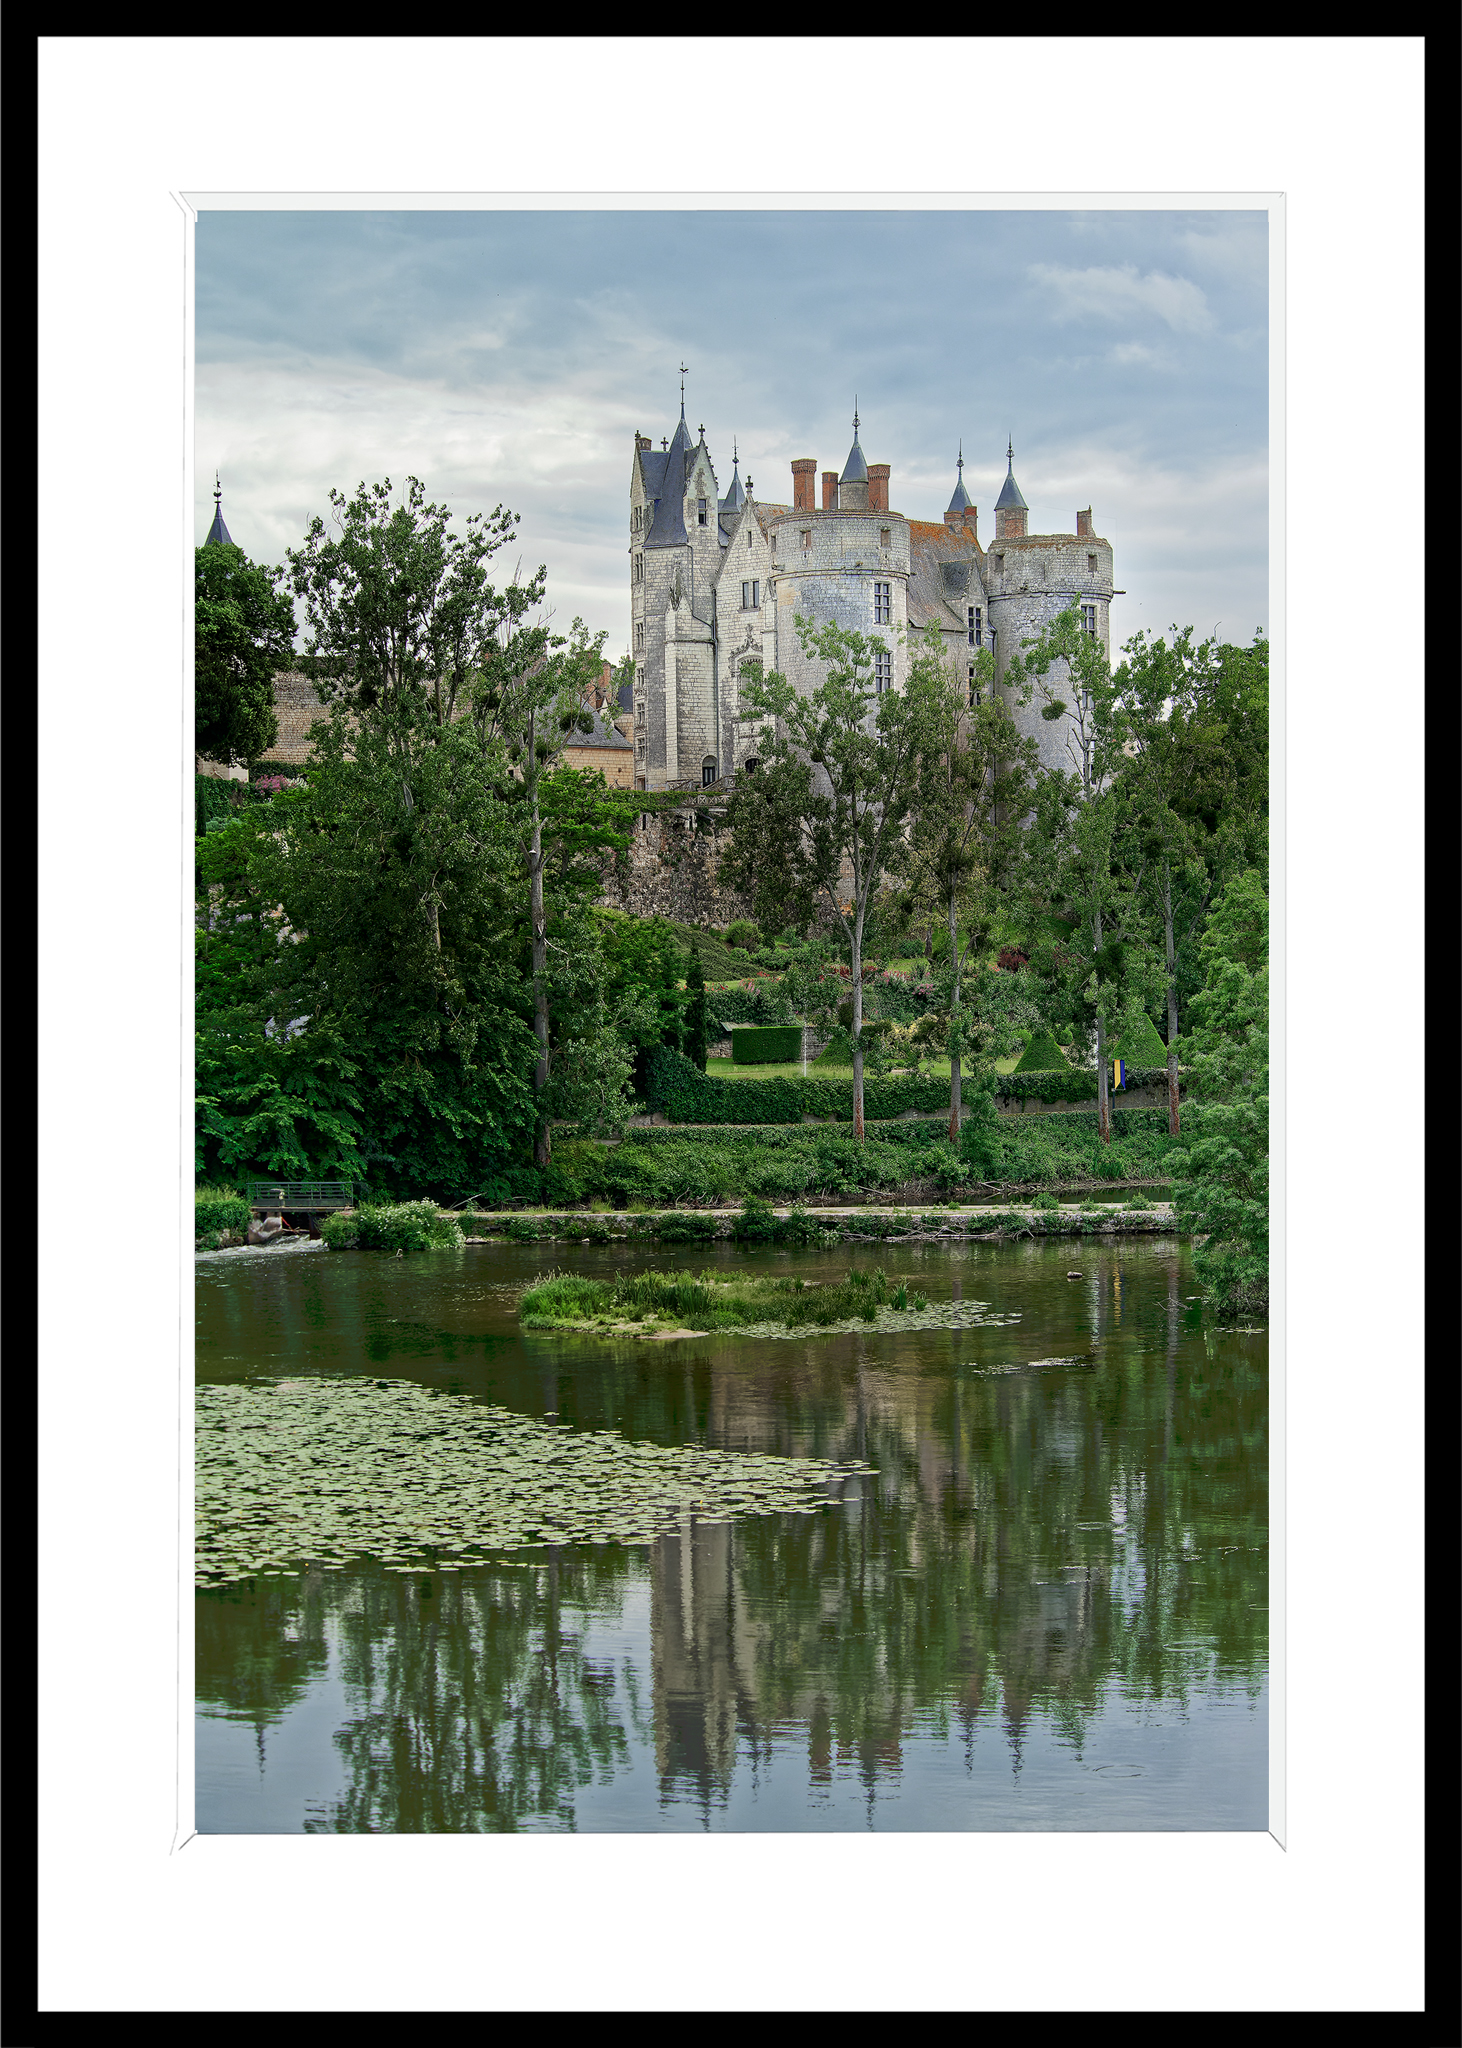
[(218, 533)]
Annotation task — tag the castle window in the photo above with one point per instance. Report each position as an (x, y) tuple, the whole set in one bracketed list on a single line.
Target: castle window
[(639, 632), (748, 537), (700, 511), (974, 693), (882, 604), (882, 670), (750, 767), (883, 536), (639, 568), (1088, 618), (1091, 565), (708, 771), (807, 536)]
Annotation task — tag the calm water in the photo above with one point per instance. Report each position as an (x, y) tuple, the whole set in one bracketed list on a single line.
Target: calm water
[(1047, 1611)]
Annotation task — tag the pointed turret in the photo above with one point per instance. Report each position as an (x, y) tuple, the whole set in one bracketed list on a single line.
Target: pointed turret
[(218, 534), (1010, 506), (853, 483), (735, 497), (960, 511)]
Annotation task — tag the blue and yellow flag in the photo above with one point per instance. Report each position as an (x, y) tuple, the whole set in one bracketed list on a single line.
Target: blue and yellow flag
[(1119, 1073)]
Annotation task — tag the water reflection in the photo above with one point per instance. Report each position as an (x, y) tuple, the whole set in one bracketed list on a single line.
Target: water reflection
[(1058, 1572)]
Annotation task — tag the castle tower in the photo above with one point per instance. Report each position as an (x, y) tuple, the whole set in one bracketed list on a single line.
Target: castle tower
[(1031, 578), (677, 536)]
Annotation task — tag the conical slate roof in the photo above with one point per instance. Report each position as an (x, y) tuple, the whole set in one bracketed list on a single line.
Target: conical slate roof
[(218, 534), (855, 469), (960, 502), (668, 530), (1010, 499), (735, 498)]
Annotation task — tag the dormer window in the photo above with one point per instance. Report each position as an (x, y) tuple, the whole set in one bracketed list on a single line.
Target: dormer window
[(700, 511)]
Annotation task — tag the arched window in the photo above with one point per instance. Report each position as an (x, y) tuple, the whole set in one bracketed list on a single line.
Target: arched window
[(708, 771), (750, 767)]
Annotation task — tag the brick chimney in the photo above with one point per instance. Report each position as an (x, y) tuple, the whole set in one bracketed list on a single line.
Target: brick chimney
[(829, 490), (804, 469), (878, 486), (1083, 524), (972, 524)]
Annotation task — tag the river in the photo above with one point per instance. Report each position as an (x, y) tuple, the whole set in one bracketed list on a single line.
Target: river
[(1046, 1609)]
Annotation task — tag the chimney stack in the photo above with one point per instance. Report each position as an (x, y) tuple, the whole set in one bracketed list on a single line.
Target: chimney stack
[(642, 440), (972, 524), (878, 486), (804, 469), (1083, 524), (829, 490)]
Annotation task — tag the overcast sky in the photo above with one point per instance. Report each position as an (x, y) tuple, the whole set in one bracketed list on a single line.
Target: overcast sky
[(509, 357)]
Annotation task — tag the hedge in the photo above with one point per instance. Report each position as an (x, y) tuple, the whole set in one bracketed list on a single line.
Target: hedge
[(213, 1212), (682, 1092), (765, 1044), (1142, 1048), (1075, 1084), (1043, 1056)]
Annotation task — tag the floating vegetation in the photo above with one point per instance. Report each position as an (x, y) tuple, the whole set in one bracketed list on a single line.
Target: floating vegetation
[(327, 1471), (653, 1304)]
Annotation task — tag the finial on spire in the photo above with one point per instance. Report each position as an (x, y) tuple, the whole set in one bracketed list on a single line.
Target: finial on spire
[(703, 430), (217, 488), (1010, 455), (960, 465), (735, 458), (855, 415), (682, 390)]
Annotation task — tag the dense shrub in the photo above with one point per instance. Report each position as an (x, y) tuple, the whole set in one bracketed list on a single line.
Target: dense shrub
[(1012, 959), (766, 1044), (1141, 1048), (1044, 1056), (392, 1227), (743, 936), (217, 1209)]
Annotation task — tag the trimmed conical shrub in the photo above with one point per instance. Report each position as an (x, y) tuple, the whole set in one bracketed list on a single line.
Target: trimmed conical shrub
[(1142, 1048), (1043, 1056)]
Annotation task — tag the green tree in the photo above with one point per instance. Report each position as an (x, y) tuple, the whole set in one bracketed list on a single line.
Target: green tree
[(765, 822), (1221, 1177), (399, 611), (243, 634), (530, 696), (395, 873), (1090, 944), (975, 778), (855, 813), (696, 1028)]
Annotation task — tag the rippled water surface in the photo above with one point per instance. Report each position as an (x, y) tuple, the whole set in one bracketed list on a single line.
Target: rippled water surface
[(1046, 1610)]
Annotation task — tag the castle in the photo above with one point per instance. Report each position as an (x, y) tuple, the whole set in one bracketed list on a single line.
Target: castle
[(716, 582)]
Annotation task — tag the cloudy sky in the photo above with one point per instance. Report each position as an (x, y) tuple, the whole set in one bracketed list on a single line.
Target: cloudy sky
[(509, 357)]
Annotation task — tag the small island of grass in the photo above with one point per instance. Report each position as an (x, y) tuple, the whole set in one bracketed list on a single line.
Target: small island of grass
[(660, 1304)]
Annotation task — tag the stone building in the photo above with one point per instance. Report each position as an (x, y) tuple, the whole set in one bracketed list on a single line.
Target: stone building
[(717, 581)]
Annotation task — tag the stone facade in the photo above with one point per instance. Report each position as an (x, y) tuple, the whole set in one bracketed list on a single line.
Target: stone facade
[(716, 582), (671, 872)]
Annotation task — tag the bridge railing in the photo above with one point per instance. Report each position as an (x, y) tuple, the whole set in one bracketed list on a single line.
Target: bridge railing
[(301, 1194)]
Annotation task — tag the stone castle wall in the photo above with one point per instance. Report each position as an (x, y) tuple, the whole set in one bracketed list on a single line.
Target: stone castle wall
[(672, 873)]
